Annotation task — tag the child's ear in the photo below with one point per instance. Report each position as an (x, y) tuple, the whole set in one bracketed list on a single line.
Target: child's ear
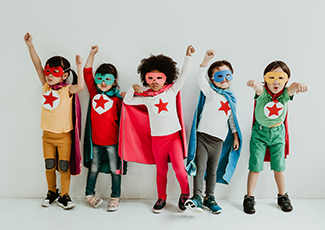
[(65, 75)]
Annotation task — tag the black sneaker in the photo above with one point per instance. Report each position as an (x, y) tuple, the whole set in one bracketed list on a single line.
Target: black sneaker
[(159, 206), (50, 198), (65, 202), (285, 203), (181, 202), (249, 202)]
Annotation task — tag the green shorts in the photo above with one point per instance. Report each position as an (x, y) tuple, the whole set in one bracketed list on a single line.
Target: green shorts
[(263, 137)]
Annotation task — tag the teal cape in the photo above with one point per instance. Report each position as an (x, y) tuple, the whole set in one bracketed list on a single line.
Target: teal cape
[(229, 157)]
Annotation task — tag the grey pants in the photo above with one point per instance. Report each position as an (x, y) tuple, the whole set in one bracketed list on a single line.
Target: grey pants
[(208, 152)]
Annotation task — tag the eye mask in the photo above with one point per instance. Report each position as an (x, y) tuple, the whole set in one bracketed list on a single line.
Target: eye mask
[(109, 79), (160, 78), (270, 77), (55, 71), (221, 75)]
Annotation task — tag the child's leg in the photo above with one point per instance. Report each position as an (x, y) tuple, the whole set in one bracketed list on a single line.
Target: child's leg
[(114, 164), (49, 151), (93, 170), (251, 182), (279, 179), (201, 164)]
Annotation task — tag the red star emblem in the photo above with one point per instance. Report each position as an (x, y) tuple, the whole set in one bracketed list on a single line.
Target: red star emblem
[(101, 102), (224, 107), (162, 106), (274, 110), (49, 99)]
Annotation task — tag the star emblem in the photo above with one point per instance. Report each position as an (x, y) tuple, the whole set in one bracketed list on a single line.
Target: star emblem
[(224, 107), (162, 106), (274, 110), (49, 99), (100, 102)]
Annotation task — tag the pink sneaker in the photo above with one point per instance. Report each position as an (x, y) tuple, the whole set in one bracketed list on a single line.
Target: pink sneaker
[(113, 204), (94, 201)]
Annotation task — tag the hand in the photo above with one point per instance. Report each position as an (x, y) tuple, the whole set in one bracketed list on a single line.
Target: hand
[(79, 61), (137, 88), (94, 50), (253, 83), (28, 39), (190, 50), (209, 54), (122, 94), (236, 141), (301, 88)]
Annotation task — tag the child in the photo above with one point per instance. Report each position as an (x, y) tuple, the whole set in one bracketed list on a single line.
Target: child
[(211, 138), (159, 125), (270, 130), (59, 130), (101, 135)]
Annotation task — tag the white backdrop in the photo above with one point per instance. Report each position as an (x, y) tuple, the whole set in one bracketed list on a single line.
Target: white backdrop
[(250, 34)]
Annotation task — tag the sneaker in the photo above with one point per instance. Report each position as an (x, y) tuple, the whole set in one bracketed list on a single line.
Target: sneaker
[(248, 204), (50, 198), (181, 202), (285, 203), (113, 204), (65, 202), (159, 206), (94, 201), (194, 204), (211, 205)]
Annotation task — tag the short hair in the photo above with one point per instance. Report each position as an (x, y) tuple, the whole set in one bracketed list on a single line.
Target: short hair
[(218, 64), (161, 63), (275, 64)]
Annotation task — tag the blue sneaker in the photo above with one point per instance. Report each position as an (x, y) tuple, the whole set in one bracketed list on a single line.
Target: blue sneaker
[(211, 205), (194, 204)]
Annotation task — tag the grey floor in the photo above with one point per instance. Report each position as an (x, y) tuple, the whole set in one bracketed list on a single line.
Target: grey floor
[(17, 213)]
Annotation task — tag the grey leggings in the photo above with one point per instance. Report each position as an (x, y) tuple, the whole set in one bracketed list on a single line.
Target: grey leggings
[(207, 157)]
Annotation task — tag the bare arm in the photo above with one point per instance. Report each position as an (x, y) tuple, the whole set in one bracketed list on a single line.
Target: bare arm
[(35, 58), (91, 56), (257, 86), (81, 81), (296, 88)]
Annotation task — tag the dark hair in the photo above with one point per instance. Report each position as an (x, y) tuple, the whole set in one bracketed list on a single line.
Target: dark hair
[(108, 68), (57, 61), (275, 64), (218, 64), (160, 62)]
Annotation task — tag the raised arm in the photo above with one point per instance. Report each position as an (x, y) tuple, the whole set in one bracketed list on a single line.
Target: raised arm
[(81, 82), (296, 88), (91, 56), (257, 86), (35, 58), (202, 81)]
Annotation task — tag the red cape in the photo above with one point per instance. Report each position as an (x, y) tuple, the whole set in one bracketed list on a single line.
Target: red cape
[(135, 135), (286, 147)]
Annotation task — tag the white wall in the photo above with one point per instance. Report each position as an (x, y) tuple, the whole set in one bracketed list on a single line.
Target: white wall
[(250, 34)]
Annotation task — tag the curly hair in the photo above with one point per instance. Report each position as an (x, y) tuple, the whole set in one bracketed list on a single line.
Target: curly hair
[(160, 62)]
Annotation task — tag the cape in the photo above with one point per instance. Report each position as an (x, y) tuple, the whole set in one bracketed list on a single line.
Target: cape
[(229, 157), (135, 136)]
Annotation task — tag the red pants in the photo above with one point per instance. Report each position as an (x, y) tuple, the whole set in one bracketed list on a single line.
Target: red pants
[(164, 148)]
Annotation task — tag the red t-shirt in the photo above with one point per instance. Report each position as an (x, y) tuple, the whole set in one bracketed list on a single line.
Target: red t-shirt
[(104, 113)]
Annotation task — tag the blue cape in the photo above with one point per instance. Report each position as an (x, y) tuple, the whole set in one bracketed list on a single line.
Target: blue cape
[(229, 157)]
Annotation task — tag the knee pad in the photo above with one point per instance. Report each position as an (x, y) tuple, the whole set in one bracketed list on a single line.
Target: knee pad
[(49, 164), (64, 165)]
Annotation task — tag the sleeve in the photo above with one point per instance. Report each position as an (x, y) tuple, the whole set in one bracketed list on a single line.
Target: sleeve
[(286, 95), (89, 79), (130, 99), (202, 81), (232, 123), (182, 77)]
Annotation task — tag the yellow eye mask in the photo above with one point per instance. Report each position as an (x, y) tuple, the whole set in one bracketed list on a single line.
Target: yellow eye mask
[(270, 77)]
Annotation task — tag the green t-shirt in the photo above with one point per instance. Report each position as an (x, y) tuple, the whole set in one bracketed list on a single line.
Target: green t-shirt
[(268, 113)]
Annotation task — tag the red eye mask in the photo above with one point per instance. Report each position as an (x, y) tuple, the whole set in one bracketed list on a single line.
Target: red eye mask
[(55, 71), (160, 78)]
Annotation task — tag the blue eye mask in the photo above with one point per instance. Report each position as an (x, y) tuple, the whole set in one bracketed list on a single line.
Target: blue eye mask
[(109, 79), (221, 75)]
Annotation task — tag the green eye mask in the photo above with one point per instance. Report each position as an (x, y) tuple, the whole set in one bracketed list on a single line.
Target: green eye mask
[(109, 79)]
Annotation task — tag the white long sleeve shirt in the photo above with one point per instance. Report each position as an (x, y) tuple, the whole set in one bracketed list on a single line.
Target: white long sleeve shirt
[(162, 108), (216, 111)]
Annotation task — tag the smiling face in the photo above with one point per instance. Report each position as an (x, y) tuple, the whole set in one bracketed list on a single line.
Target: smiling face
[(225, 83), (154, 84), (104, 87), (276, 87)]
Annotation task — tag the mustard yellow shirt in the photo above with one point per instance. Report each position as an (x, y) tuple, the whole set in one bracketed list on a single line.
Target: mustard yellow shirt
[(56, 116)]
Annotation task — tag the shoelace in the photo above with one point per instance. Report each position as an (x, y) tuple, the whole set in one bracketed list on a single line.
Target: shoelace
[(184, 197), (114, 201), (249, 200)]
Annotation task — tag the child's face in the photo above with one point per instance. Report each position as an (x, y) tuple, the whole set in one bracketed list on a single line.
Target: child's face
[(276, 87), (154, 85), (51, 80), (225, 83), (104, 87)]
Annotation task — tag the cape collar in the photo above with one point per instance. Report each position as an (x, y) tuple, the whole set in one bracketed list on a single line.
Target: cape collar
[(58, 86), (151, 93), (274, 96)]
